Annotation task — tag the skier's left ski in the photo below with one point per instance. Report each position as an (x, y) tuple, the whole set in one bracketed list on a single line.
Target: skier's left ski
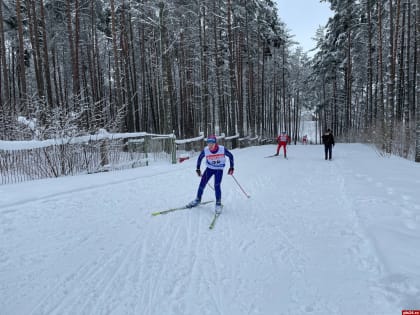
[(213, 222)]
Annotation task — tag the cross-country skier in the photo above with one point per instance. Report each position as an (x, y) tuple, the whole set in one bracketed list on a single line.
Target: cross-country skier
[(215, 155), (283, 139)]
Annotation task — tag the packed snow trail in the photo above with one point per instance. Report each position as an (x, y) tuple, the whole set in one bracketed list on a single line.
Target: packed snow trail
[(316, 237)]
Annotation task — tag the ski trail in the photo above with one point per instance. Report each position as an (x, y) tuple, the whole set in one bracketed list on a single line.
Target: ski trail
[(302, 261), (391, 286), (61, 193), (312, 239)]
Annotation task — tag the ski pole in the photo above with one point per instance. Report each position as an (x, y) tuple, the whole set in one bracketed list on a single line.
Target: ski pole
[(208, 184), (248, 196)]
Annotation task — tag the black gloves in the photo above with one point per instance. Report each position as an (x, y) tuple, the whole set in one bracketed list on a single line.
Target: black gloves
[(198, 172)]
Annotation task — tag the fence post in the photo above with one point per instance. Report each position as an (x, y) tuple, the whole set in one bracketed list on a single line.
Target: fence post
[(173, 148), (103, 148), (146, 148)]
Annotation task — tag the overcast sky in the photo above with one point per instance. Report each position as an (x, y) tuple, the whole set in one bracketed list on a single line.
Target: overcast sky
[(302, 18)]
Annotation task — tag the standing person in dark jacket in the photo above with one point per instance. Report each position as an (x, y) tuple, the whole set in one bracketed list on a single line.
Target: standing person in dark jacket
[(215, 155), (328, 141)]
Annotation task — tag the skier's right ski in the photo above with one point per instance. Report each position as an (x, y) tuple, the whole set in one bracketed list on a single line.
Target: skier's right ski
[(178, 208)]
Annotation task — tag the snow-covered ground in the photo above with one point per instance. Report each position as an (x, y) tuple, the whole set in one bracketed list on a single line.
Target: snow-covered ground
[(316, 237)]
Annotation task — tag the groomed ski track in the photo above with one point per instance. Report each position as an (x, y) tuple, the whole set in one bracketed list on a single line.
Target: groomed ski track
[(300, 245)]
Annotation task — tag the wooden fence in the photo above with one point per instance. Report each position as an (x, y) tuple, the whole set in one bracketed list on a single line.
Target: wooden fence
[(87, 155)]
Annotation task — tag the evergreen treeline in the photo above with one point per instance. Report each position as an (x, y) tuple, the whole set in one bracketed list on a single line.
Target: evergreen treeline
[(148, 65), (367, 73), (217, 66)]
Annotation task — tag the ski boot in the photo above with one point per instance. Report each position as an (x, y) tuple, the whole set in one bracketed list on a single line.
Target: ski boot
[(218, 208), (193, 203)]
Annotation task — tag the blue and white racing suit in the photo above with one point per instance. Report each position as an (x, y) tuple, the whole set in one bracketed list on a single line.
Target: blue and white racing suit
[(215, 162)]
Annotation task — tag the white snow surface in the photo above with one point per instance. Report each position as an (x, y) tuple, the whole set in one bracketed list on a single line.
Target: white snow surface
[(316, 237)]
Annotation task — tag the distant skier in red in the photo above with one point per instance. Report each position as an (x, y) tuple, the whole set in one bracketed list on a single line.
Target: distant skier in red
[(283, 139)]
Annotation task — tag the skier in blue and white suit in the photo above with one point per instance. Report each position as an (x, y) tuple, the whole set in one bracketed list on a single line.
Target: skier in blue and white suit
[(215, 161)]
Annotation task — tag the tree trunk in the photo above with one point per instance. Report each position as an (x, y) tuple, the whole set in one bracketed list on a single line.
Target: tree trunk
[(166, 73), (72, 54), (391, 81), (232, 123), (119, 103), (380, 105), (133, 76), (5, 96), (33, 34), (23, 97), (126, 64), (221, 111), (239, 81), (406, 83), (208, 122), (45, 56), (417, 152), (283, 123), (369, 99)]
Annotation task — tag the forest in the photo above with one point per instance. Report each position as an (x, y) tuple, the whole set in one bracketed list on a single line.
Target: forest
[(73, 67)]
